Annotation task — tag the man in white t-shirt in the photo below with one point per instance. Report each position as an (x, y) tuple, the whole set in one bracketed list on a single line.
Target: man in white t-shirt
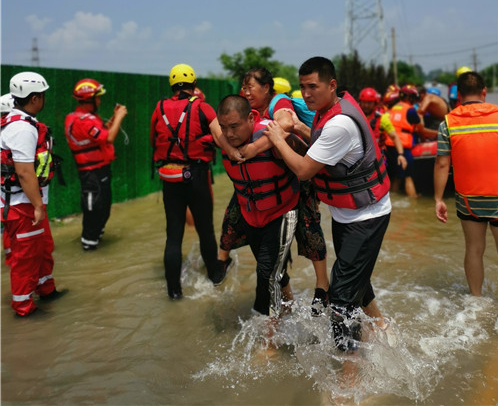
[(24, 194), (348, 170)]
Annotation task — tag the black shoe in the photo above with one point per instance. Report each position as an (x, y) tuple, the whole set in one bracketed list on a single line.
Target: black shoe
[(87, 247), (175, 294), (346, 331), (221, 272), (54, 295), (320, 302)]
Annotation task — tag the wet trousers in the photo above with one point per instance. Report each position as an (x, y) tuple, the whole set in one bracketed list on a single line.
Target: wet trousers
[(96, 200), (197, 195), (357, 246), (270, 246), (31, 261)]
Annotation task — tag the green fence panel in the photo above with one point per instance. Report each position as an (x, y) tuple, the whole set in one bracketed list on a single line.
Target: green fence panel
[(131, 170)]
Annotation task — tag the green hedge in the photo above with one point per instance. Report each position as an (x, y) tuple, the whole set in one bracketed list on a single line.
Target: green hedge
[(140, 93)]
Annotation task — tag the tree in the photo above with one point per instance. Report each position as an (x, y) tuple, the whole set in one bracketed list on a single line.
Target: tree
[(239, 63), (353, 75)]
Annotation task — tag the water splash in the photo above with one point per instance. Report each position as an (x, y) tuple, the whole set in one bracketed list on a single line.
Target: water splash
[(410, 366), (194, 278)]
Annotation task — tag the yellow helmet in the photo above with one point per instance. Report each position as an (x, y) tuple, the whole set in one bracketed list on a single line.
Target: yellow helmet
[(462, 69), (281, 85), (296, 94), (181, 73)]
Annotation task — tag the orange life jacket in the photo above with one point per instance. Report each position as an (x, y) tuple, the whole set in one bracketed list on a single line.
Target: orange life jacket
[(473, 132), (374, 120), (403, 128)]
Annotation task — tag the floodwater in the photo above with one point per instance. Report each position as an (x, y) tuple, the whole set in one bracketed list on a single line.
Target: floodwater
[(117, 339)]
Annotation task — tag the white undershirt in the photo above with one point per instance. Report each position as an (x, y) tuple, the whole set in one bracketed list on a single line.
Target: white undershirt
[(340, 142)]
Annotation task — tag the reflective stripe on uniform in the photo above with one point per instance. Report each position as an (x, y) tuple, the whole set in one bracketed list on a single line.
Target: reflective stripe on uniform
[(89, 242), (472, 129), (30, 234), (21, 298), (41, 281), (172, 176)]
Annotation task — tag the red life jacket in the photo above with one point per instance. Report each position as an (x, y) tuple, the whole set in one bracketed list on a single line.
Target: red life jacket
[(44, 164), (183, 135), (88, 154), (366, 181), (265, 187)]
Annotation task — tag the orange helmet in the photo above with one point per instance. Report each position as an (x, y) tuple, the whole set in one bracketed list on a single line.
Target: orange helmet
[(86, 89), (369, 94)]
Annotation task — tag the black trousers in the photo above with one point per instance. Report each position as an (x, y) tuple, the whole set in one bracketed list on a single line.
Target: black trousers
[(96, 200), (271, 248), (357, 246), (197, 195)]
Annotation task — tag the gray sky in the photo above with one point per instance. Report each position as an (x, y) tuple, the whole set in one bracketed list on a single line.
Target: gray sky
[(150, 36)]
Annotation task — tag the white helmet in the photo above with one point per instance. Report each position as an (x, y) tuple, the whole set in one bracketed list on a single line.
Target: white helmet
[(25, 83), (6, 103)]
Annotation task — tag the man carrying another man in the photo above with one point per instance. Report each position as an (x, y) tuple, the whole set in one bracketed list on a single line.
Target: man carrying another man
[(350, 177)]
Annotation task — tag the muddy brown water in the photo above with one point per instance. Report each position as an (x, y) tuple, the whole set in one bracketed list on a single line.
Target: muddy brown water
[(117, 339)]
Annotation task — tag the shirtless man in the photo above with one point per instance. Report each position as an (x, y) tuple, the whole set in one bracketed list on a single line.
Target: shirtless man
[(432, 107)]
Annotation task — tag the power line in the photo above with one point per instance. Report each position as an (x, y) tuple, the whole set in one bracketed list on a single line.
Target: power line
[(451, 52)]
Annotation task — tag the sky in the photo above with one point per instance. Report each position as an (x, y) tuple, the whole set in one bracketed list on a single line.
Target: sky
[(151, 36)]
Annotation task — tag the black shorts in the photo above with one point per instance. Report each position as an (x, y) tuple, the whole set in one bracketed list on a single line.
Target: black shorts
[(492, 221), (393, 169)]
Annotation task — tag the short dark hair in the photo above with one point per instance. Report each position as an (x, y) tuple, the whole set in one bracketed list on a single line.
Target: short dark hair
[(183, 86), (262, 75), (23, 101), (323, 66), (470, 84), (234, 102)]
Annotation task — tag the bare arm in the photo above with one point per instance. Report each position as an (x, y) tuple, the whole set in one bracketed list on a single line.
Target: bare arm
[(399, 148), (425, 133), (285, 118), (115, 121), (299, 127), (29, 183), (222, 142), (303, 166), (441, 171)]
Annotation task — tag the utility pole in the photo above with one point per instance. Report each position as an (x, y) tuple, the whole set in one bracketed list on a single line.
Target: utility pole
[(361, 18), (395, 63), (35, 57), (474, 60)]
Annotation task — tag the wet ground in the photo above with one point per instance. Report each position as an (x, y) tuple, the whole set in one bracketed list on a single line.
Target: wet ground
[(116, 338)]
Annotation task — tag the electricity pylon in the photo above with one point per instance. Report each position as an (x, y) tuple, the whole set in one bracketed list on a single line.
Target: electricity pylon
[(366, 18)]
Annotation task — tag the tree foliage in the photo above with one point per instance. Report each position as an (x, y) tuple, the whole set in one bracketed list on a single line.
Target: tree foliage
[(352, 73), (239, 63)]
